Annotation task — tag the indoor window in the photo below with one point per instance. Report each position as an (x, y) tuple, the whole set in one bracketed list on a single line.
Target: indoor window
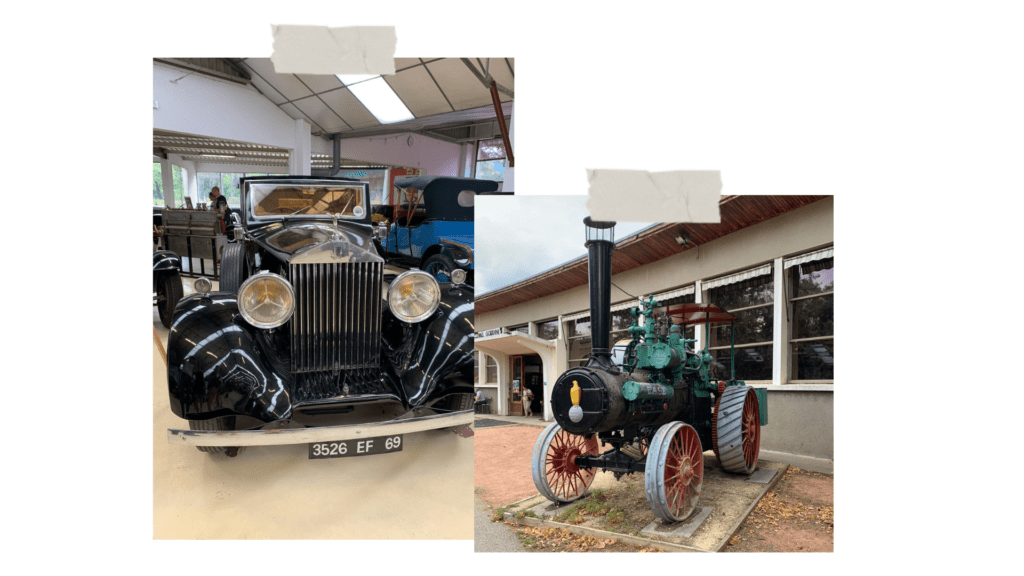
[(158, 185), (490, 160)]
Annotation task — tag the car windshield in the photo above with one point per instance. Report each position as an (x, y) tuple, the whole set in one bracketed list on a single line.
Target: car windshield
[(270, 199)]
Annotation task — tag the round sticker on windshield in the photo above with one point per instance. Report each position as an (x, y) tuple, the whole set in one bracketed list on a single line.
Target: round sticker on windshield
[(358, 211), (466, 198)]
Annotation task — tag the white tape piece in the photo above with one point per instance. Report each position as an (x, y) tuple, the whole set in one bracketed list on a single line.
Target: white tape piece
[(641, 196), (323, 50)]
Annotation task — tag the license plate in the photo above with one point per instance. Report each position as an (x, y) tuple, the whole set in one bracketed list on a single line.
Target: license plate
[(361, 447)]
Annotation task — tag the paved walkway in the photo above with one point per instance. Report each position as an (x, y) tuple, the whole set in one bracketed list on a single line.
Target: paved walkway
[(492, 536)]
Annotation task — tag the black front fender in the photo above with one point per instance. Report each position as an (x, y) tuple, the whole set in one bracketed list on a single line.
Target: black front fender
[(166, 261), (434, 358), (215, 366)]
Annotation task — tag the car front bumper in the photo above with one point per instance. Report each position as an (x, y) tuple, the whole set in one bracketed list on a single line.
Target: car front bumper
[(280, 437)]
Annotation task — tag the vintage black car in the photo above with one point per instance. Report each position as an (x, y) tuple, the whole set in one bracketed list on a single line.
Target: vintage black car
[(167, 289), (311, 321)]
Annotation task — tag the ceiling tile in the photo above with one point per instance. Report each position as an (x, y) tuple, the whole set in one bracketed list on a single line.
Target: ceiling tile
[(350, 108), (401, 63), (287, 84), (320, 82), (463, 89), (320, 114), (418, 92), (499, 70)]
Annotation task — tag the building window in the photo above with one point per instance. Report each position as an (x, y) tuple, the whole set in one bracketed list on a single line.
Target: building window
[(476, 369), (578, 340), (666, 307), (579, 337), (492, 370), (490, 160), (752, 302), (811, 336), (525, 329), (548, 330)]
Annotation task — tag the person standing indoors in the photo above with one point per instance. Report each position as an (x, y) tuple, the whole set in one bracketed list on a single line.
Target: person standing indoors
[(217, 201)]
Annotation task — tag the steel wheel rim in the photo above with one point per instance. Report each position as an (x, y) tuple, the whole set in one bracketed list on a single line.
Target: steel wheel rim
[(738, 430), (674, 472), (566, 480), (684, 472)]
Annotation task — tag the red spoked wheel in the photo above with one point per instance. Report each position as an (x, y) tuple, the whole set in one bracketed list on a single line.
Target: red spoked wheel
[(738, 427), (554, 469), (675, 472)]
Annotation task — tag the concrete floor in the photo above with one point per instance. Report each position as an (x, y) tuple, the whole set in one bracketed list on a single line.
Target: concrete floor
[(423, 492)]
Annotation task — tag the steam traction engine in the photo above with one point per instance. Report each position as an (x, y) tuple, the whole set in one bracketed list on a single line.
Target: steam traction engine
[(658, 408)]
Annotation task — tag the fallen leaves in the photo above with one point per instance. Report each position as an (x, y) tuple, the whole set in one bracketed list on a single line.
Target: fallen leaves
[(562, 540)]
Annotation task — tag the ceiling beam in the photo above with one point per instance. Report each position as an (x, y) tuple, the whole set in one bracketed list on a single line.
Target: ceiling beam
[(201, 70), (446, 120)]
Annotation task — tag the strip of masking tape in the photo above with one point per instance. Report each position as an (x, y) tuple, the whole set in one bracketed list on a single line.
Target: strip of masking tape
[(641, 196), (323, 50)]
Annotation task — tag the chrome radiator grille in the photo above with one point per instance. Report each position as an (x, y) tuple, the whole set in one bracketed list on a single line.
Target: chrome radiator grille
[(336, 324)]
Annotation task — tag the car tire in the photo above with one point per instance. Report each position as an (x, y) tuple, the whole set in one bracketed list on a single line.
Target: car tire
[(456, 403), (169, 288), (440, 267), (215, 424), (232, 267)]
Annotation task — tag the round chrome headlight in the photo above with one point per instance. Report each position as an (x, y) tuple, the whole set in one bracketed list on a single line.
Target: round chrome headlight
[(203, 285), (414, 296), (458, 276), (266, 300)]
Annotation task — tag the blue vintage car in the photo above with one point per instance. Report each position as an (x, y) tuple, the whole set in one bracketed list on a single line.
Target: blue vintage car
[(433, 228)]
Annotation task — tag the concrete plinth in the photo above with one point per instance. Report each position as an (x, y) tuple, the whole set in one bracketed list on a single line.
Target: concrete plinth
[(547, 509), (762, 476), (684, 529)]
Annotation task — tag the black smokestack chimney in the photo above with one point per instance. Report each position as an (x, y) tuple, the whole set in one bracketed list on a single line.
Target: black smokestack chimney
[(600, 244)]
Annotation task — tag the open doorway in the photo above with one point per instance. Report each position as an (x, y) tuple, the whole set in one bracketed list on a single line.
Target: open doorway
[(528, 370)]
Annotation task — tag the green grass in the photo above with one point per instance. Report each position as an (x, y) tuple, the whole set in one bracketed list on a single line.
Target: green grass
[(499, 514)]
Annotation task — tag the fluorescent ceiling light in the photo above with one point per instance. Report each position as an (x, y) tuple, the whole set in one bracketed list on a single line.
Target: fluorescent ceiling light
[(377, 96), (350, 79), (215, 156)]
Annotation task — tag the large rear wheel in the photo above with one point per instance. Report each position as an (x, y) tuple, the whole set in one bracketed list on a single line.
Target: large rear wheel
[(675, 472), (554, 469), (737, 425)]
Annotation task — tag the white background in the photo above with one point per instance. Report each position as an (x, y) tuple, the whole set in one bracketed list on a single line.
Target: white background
[(909, 112)]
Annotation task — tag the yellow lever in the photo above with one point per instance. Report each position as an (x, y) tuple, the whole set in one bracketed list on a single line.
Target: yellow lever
[(574, 394)]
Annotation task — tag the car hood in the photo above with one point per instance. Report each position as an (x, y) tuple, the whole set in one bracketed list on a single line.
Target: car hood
[(317, 242)]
